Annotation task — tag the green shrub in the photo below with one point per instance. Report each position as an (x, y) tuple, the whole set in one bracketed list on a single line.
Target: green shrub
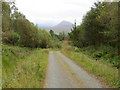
[(105, 53), (101, 69), (22, 66), (11, 37), (55, 44)]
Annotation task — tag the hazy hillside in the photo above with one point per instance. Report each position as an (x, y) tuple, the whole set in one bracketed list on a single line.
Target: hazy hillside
[(62, 26)]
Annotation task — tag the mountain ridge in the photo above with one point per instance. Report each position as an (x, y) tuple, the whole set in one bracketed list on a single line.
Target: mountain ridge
[(64, 26)]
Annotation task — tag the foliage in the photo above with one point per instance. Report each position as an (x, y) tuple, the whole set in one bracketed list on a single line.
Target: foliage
[(11, 37), (44, 37), (17, 30), (99, 31), (105, 53), (5, 17), (55, 44), (22, 65), (56, 40), (99, 26), (61, 36), (103, 70)]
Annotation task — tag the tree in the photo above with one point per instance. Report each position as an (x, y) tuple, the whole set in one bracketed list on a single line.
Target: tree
[(61, 36), (17, 30), (52, 33), (45, 37), (109, 19), (74, 34), (5, 17), (99, 26)]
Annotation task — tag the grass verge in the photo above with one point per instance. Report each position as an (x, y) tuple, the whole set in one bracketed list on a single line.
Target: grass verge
[(105, 72), (23, 67)]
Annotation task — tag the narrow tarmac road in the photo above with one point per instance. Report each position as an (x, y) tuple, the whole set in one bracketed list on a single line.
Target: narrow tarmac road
[(64, 73)]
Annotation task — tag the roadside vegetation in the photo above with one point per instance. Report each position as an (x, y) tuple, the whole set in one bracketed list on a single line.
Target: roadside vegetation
[(94, 45), (24, 61), (23, 67), (104, 71), (95, 42), (25, 53), (17, 30), (57, 40)]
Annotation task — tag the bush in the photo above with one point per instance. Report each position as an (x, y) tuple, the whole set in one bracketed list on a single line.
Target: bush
[(44, 38), (106, 53), (11, 37), (55, 44)]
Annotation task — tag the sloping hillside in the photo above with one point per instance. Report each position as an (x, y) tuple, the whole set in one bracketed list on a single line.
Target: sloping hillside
[(63, 26)]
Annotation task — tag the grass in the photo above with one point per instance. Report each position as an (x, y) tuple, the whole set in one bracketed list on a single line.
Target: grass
[(106, 53), (104, 71), (23, 67)]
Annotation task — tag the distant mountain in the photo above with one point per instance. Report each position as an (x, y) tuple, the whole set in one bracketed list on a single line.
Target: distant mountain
[(62, 26)]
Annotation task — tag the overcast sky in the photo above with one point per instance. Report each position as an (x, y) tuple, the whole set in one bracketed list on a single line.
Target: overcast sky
[(54, 11)]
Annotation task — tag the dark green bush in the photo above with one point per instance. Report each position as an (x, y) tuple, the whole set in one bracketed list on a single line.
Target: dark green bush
[(55, 44), (11, 37)]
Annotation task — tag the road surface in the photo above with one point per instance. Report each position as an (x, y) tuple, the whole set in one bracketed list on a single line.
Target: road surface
[(64, 73)]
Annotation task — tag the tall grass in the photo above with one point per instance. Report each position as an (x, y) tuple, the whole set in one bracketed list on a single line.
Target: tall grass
[(104, 71), (23, 67)]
